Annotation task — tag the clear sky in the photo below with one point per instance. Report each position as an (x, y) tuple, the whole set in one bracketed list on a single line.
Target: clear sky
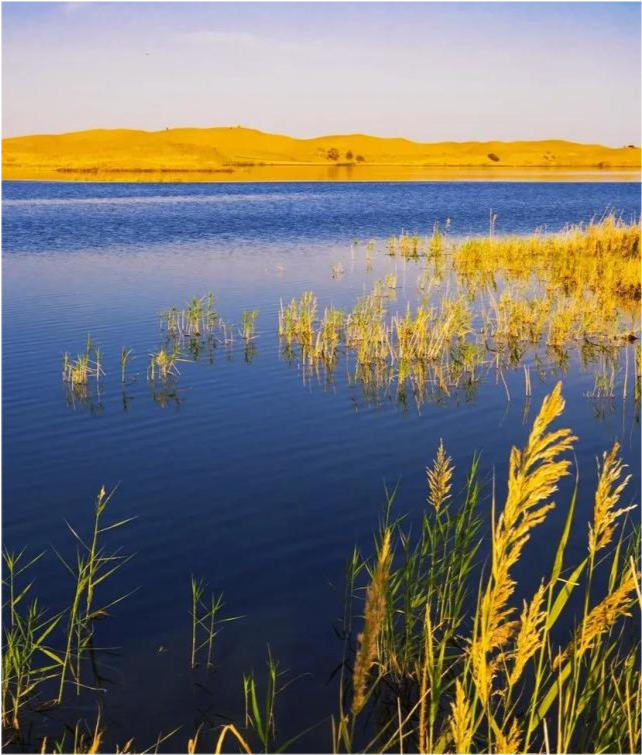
[(427, 71)]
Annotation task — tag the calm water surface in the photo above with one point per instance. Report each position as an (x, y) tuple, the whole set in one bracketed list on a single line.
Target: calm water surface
[(255, 479)]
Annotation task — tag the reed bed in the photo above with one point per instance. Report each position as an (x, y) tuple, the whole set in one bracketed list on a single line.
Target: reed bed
[(443, 650), (495, 303), (484, 306)]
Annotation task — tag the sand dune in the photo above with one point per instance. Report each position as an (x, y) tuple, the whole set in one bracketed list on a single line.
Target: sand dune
[(106, 154)]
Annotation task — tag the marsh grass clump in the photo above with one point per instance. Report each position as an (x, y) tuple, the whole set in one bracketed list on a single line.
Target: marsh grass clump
[(429, 348), (27, 663), (197, 319), (490, 304), (79, 372), (94, 565), (328, 337), (297, 320), (82, 377), (195, 329), (408, 246), (596, 267), (391, 281), (163, 364)]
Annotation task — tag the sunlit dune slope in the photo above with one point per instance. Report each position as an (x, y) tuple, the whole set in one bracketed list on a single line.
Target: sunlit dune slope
[(226, 149)]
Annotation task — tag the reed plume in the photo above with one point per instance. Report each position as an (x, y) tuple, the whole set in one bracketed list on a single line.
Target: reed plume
[(439, 478), (461, 721), (375, 612), (533, 477), (509, 742), (609, 489), (602, 617), (530, 635)]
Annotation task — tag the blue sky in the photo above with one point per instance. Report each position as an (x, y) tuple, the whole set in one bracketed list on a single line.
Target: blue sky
[(428, 71)]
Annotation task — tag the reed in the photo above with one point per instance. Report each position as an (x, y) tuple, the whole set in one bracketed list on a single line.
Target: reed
[(163, 364), (375, 611), (206, 622), (79, 372), (491, 303), (486, 304), (533, 477), (328, 337), (125, 355), (198, 318), (28, 661), (249, 324), (297, 320), (260, 717), (94, 565)]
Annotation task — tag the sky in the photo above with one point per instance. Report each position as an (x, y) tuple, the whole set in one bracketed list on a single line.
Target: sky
[(425, 71)]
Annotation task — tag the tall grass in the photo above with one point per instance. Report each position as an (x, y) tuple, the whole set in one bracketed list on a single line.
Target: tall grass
[(445, 657)]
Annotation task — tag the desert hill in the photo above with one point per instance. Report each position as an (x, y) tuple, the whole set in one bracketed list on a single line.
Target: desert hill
[(105, 151)]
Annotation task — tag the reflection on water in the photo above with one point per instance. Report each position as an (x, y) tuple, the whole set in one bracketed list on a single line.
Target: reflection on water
[(252, 466), (278, 173)]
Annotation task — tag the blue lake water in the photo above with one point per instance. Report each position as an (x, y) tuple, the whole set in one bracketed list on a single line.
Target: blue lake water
[(256, 476)]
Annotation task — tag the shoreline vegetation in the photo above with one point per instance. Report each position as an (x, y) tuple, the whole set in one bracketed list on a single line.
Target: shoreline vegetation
[(242, 154), (438, 656)]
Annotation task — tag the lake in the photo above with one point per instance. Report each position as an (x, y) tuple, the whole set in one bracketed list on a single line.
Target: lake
[(253, 474)]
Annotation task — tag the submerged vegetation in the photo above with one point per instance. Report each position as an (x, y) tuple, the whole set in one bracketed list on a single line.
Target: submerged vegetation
[(438, 656)]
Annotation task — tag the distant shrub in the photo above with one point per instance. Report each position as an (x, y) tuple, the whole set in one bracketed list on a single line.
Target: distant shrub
[(349, 155), (333, 153), (492, 156), (361, 159)]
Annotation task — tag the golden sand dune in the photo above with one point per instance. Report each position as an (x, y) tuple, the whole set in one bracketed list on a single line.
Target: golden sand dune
[(108, 154)]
